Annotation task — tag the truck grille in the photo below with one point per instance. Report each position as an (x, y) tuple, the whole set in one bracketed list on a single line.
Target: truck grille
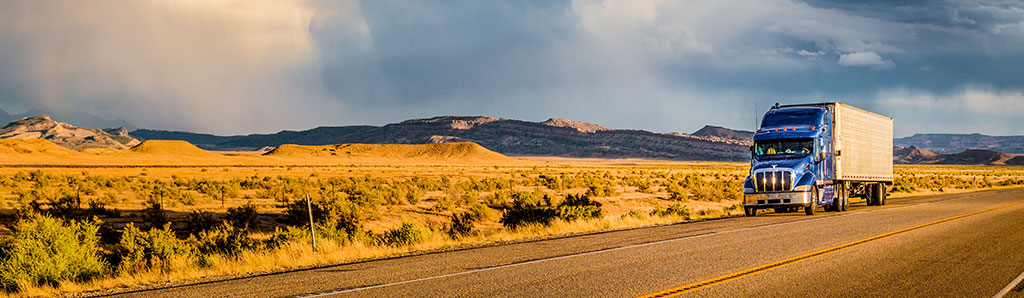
[(774, 181)]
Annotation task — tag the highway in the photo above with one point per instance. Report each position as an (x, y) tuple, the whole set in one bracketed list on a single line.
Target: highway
[(951, 245)]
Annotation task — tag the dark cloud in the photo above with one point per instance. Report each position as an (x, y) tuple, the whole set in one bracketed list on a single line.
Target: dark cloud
[(657, 65)]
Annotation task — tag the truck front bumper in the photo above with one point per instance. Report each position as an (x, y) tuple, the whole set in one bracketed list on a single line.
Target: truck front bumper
[(778, 199)]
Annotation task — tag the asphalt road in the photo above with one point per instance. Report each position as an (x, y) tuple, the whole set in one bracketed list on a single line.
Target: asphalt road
[(958, 245)]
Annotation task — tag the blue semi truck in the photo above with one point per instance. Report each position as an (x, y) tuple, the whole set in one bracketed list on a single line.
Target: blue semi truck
[(818, 155)]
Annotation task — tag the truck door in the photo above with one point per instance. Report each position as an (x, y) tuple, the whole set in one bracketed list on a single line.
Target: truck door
[(825, 167)]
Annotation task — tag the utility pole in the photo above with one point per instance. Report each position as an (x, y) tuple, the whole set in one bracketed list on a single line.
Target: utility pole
[(312, 229)]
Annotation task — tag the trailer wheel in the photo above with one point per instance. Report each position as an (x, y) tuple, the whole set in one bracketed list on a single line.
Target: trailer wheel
[(750, 211), (872, 194), (809, 210)]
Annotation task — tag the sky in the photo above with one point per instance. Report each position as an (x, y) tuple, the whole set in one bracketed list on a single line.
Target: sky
[(259, 66)]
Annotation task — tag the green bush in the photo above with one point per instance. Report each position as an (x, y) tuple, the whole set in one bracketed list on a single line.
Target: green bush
[(461, 225), (46, 250), (151, 249), (408, 234), (225, 240), (673, 210), (635, 214), (579, 207), (527, 209), (242, 217), (200, 221)]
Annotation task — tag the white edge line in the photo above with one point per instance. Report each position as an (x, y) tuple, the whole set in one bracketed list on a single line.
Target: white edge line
[(360, 288), (1010, 286)]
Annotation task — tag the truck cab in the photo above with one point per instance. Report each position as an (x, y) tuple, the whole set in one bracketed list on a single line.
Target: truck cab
[(791, 160), (820, 154)]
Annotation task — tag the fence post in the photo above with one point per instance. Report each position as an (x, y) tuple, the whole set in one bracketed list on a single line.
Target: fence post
[(312, 229)]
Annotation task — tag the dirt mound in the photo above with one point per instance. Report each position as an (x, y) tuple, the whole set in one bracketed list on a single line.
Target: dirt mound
[(420, 153), (168, 147), (33, 147)]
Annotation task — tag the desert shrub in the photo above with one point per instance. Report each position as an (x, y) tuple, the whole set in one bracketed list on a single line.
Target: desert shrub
[(672, 210), (200, 221), (578, 207), (225, 240), (643, 186), (46, 251), (242, 217), (297, 212), (286, 235), (527, 209), (461, 225), (501, 199), (675, 193), (603, 190), (151, 249), (634, 214), (708, 212), (407, 234), (155, 214)]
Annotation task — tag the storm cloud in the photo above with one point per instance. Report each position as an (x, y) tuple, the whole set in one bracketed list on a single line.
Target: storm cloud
[(258, 66)]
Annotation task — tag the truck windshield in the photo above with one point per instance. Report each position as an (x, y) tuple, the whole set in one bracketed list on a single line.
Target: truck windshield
[(769, 148), (792, 116)]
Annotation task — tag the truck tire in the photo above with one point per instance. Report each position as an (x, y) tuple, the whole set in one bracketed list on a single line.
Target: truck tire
[(872, 194), (751, 212), (840, 198), (809, 210), (846, 201), (881, 194)]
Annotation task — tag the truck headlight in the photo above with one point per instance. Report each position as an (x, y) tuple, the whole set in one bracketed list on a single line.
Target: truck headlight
[(802, 188), (748, 190)]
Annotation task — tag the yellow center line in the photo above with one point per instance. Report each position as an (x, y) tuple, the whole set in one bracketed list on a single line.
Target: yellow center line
[(762, 268)]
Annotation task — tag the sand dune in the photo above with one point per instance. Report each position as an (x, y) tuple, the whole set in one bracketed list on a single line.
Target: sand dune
[(33, 147), (173, 148)]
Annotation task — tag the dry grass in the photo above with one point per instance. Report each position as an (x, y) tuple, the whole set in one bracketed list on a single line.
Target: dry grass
[(630, 191)]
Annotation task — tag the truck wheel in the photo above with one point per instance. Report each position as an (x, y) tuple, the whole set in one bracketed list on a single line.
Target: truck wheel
[(881, 194), (846, 202), (750, 211), (872, 194), (809, 210)]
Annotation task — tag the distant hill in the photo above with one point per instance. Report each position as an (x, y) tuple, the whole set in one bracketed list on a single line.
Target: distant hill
[(915, 155), (725, 133), (580, 126), (441, 152), (912, 155), (66, 135), (953, 143), (554, 137)]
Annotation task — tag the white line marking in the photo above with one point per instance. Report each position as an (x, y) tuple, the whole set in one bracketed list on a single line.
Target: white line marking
[(1010, 286), (360, 288)]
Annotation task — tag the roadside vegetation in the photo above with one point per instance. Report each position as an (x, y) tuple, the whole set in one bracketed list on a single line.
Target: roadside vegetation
[(73, 230)]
